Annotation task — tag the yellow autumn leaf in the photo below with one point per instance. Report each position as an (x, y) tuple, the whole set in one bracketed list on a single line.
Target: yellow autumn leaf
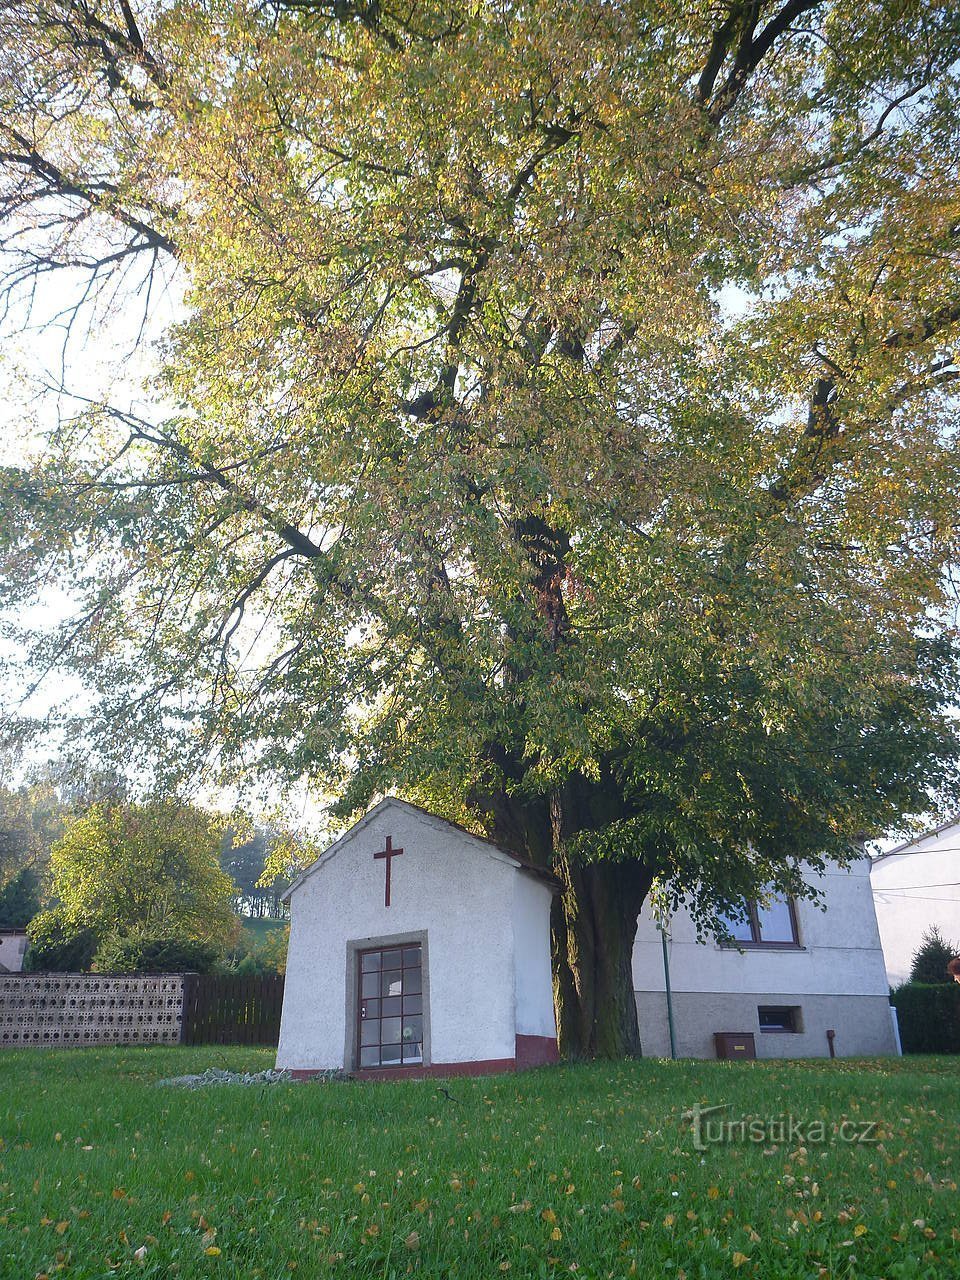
[(739, 1259)]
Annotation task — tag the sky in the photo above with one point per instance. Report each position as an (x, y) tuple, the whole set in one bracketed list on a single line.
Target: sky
[(47, 372)]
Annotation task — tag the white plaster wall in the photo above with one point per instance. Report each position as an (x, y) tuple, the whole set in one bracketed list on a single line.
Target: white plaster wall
[(444, 883), (914, 889), (532, 972), (862, 1024), (839, 949), (13, 948)]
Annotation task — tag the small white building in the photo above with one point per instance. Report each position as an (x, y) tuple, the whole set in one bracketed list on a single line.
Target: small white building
[(13, 949), (414, 944), (798, 972), (917, 885)]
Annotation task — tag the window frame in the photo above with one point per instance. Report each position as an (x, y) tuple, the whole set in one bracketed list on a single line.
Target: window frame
[(381, 946), (756, 942), (793, 1020)]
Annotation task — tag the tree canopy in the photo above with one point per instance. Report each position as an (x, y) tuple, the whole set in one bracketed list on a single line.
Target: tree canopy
[(150, 869), (559, 428)]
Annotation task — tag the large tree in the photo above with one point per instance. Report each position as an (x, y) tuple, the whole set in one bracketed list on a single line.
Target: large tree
[(149, 870), (558, 427)]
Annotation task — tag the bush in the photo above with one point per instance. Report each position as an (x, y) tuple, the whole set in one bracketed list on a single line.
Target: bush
[(929, 1017), (141, 954), (930, 960), (58, 944), (258, 957)]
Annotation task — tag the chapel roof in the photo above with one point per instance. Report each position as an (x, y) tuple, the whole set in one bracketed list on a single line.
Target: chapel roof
[(486, 845)]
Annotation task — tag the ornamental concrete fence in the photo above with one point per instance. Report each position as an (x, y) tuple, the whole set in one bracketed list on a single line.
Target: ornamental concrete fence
[(46, 1010), (70, 1010)]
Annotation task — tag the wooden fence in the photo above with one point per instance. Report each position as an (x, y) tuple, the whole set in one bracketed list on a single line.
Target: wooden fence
[(231, 1010)]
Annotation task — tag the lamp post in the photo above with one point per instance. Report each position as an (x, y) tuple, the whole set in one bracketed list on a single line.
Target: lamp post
[(662, 926)]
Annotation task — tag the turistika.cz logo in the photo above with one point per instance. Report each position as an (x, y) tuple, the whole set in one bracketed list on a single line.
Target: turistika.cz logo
[(711, 1128)]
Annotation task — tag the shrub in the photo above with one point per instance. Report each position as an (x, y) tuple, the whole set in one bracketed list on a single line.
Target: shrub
[(931, 958), (257, 957), (273, 950), (59, 944), (142, 954), (929, 1017)]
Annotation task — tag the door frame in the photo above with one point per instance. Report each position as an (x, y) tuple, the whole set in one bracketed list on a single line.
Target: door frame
[(351, 1049)]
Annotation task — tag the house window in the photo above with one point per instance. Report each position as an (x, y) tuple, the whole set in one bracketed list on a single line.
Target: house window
[(779, 1018), (390, 1007), (773, 924)]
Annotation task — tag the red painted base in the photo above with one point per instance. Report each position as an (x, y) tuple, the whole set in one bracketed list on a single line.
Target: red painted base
[(531, 1051), (536, 1051), (485, 1067)]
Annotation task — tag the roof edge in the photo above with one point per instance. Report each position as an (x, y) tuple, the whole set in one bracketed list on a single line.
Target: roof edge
[(927, 835)]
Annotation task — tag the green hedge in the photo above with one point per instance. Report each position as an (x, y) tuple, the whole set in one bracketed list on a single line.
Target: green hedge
[(929, 1016), (144, 954), (58, 944)]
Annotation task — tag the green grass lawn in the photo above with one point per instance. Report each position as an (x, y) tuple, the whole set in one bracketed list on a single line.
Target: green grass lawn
[(587, 1171)]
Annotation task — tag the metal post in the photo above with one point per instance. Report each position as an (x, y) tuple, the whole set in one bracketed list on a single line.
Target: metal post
[(666, 978)]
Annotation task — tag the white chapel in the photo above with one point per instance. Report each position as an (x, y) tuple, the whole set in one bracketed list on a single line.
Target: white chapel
[(414, 944)]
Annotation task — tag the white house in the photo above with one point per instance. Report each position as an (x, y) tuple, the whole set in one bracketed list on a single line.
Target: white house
[(799, 972), (416, 944), (917, 885)]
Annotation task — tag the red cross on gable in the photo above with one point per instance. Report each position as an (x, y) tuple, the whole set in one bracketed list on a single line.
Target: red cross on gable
[(389, 853)]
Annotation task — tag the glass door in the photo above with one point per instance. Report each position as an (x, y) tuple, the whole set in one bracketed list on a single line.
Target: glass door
[(390, 1007)]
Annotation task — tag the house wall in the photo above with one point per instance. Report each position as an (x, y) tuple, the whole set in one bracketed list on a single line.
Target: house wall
[(914, 889), (442, 888), (836, 977), (13, 949)]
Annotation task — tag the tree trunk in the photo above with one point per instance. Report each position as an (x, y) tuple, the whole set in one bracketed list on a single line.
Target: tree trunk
[(594, 917), (594, 926)]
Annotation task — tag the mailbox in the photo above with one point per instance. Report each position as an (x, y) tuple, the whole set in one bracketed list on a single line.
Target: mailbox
[(735, 1044)]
